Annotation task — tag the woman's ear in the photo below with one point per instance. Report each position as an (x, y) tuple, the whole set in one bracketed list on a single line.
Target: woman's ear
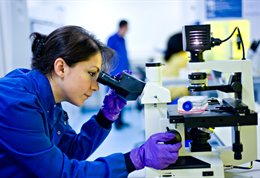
[(60, 67)]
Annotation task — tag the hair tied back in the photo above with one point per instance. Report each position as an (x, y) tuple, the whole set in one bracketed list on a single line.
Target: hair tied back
[(38, 44)]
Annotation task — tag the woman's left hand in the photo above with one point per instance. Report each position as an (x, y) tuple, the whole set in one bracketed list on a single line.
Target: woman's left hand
[(112, 105)]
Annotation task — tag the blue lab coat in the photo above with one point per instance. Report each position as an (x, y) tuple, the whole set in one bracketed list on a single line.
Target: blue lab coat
[(36, 139), (117, 43)]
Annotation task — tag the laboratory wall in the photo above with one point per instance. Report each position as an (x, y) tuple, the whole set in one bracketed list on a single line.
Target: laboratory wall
[(249, 11), (150, 23), (14, 35)]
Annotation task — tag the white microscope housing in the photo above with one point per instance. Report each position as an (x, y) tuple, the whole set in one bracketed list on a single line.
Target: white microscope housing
[(200, 164)]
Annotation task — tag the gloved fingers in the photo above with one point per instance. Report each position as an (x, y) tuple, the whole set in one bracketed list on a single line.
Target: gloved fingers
[(118, 75), (113, 111), (173, 157), (112, 105), (114, 96), (164, 160), (169, 157), (162, 137), (110, 96), (119, 102), (172, 147), (111, 92), (122, 102), (128, 71)]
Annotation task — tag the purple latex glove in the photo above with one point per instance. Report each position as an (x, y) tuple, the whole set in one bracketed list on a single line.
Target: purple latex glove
[(156, 155), (112, 105)]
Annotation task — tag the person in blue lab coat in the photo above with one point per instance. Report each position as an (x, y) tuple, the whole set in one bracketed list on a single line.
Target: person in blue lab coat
[(36, 139), (118, 44)]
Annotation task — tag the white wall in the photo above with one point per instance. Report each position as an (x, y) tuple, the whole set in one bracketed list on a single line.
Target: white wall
[(14, 35), (2, 61), (251, 11), (151, 22)]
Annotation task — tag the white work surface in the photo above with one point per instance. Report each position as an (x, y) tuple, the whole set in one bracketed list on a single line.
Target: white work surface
[(239, 173), (234, 173)]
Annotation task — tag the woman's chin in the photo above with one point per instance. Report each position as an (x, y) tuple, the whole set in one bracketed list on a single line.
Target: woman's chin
[(78, 103)]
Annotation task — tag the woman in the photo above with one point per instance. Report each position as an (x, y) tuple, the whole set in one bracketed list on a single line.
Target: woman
[(175, 61), (36, 139)]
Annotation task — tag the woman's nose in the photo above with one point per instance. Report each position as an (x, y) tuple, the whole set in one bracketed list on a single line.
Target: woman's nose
[(94, 85)]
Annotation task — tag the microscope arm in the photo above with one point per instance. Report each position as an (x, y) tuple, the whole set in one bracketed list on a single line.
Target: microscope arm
[(234, 85)]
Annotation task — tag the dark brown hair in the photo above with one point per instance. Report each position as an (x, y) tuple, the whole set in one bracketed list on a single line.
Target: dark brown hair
[(72, 43), (122, 23), (174, 45)]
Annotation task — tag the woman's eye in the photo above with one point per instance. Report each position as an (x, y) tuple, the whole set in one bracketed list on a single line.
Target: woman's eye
[(92, 74)]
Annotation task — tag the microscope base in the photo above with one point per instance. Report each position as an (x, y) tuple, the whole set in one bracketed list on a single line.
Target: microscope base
[(191, 167)]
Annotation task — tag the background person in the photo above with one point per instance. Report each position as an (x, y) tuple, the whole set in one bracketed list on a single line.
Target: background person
[(118, 44), (175, 60)]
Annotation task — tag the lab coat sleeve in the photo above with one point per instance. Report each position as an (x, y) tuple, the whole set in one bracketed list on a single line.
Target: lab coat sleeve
[(23, 138), (80, 146)]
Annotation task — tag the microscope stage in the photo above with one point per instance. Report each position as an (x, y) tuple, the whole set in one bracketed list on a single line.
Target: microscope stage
[(213, 117), (188, 162)]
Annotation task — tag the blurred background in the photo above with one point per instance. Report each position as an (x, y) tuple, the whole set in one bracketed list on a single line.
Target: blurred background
[(150, 25)]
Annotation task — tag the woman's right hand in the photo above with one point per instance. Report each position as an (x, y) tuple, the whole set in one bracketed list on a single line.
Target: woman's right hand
[(154, 154)]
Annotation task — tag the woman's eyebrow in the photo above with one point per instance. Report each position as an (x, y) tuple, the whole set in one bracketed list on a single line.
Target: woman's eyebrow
[(96, 68)]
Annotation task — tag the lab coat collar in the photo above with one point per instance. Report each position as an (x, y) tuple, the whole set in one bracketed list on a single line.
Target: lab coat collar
[(43, 89)]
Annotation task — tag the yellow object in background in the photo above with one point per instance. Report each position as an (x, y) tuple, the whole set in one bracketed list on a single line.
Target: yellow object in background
[(229, 49), (176, 62), (173, 68)]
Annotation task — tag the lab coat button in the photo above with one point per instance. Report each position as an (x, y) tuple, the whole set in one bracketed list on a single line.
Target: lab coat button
[(58, 132)]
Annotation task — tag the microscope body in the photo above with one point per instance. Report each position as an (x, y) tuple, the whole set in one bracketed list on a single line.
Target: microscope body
[(155, 98), (242, 67), (207, 162)]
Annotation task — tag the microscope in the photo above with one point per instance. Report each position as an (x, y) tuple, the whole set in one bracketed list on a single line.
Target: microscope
[(232, 118), (197, 158)]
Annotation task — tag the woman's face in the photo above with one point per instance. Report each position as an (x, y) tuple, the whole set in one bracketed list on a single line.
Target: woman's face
[(79, 81)]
